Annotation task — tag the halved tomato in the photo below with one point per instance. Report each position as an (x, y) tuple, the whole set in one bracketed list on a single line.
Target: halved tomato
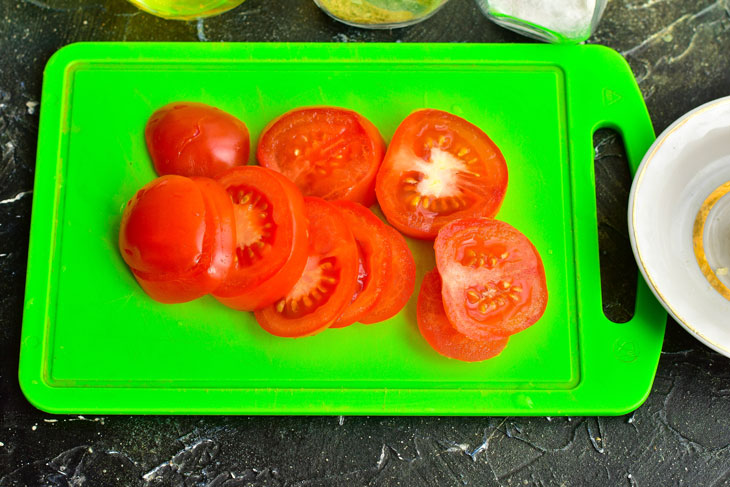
[(435, 327), (328, 282), (402, 283), (439, 168), (195, 139), (271, 242), (177, 236), (330, 152), (493, 278), (373, 242)]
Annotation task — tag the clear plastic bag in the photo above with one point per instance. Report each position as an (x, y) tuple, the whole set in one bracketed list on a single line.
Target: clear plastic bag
[(557, 21)]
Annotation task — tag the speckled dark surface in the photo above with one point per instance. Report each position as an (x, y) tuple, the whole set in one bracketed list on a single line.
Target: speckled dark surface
[(680, 53)]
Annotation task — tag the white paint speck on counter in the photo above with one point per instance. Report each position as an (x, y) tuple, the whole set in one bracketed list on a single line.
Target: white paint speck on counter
[(31, 106)]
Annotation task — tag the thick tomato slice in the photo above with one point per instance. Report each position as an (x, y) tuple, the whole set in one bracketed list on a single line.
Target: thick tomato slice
[(271, 237), (439, 168), (195, 139), (435, 327), (328, 282), (328, 152), (177, 236), (373, 242), (400, 287), (493, 277)]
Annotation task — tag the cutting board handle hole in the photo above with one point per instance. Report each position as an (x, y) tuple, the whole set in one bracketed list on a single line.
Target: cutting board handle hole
[(617, 264)]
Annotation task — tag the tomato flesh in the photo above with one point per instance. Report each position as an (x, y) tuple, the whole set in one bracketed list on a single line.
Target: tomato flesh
[(439, 168), (330, 152), (374, 260), (436, 329), (271, 238), (493, 277), (328, 282), (399, 288), (195, 139), (177, 237)]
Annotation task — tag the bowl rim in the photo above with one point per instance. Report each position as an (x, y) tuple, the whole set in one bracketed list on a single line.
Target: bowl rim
[(638, 179)]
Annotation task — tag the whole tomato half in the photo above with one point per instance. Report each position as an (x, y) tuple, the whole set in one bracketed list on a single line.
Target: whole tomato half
[(177, 236), (195, 139)]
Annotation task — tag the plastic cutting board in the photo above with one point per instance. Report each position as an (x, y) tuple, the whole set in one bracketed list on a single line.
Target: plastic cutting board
[(93, 342)]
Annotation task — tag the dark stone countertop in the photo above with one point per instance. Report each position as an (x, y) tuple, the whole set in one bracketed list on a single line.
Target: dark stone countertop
[(679, 51)]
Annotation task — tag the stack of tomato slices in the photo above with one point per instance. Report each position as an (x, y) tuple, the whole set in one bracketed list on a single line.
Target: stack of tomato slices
[(489, 283), (294, 241)]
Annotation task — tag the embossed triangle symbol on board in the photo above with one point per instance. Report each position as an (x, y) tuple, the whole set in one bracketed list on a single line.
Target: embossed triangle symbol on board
[(610, 97)]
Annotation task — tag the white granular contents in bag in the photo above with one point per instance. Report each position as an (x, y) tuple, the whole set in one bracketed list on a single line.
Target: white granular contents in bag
[(564, 16)]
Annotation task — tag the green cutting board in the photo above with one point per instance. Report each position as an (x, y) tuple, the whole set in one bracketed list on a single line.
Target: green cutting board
[(93, 342)]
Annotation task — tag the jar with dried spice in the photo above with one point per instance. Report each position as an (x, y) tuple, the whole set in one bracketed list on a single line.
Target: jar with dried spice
[(380, 14), (547, 20)]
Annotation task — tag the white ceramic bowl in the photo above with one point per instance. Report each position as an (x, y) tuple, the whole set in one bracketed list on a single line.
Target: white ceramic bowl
[(685, 165)]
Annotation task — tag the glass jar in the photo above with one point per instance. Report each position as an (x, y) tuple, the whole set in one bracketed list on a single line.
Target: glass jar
[(558, 21), (380, 14), (186, 9)]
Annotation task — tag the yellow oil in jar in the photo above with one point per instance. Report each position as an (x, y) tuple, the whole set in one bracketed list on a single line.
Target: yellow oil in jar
[(186, 9)]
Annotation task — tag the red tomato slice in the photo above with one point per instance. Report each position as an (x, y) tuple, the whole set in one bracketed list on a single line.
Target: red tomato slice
[(374, 258), (328, 282), (271, 230), (493, 278), (439, 168), (177, 236), (195, 139), (435, 327), (328, 152), (401, 285)]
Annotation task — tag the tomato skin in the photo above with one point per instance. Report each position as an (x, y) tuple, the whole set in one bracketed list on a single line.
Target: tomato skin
[(330, 152), (160, 242), (374, 249), (221, 234), (177, 237), (255, 285), (436, 329), (195, 139), (493, 277), (439, 168), (328, 282), (400, 288)]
